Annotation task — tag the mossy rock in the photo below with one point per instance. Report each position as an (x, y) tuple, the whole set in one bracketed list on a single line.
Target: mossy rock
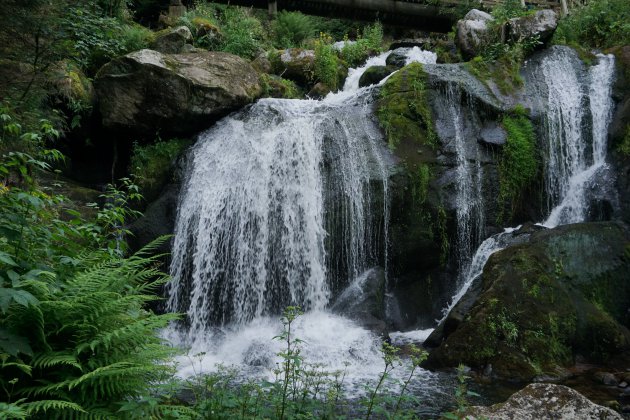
[(561, 294)]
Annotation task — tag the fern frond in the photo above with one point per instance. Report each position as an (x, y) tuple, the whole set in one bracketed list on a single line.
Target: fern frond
[(55, 405), (47, 360)]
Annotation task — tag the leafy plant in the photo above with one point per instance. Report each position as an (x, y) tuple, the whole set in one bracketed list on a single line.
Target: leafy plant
[(326, 62), (370, 42), (155, 163), (291, 29), (461, 395), (598, 24)]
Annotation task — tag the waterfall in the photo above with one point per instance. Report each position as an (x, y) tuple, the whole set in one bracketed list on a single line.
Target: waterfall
[(571, 169), (285, 203), (469, 208), (277, 211), (579, 168)]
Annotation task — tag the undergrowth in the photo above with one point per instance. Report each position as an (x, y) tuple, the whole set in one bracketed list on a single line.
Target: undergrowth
[(518, 164)]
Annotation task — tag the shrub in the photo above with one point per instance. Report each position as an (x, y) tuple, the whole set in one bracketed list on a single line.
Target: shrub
[(599, 24), (155, 163), (326, 62), (290, 29), (354, 54)]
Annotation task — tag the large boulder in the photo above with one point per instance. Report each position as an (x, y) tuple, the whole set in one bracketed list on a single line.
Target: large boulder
[(172, 40), (146, 91), (544, 401), (295, 64), (474, 33), (541, 24), (564, 293)]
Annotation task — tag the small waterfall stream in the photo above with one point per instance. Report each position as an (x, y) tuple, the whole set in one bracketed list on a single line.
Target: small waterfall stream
[(576, 155)]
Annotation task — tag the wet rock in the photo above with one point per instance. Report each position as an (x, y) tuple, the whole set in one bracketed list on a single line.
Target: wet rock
[(374, 74), (541, 24), (319, 91), (492, 134), (473, 33), (606, 378), (562, 293), (295, 64), (397, 58), (194, 89), (544, 401), (422, 43), (363, 300), (172, 41)]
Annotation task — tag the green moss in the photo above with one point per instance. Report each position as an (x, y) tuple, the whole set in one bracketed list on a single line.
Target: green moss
[(518, 165), (504, 71), (404, 111), (153, 163)]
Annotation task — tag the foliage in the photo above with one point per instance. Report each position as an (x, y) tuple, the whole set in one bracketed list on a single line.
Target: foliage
[(370, 42), (461, 395), (277, 87), (155, 162), (598, 24), (75, 339), (291, 29), (403, 111), (231, 29), (518, 166), (95, 38), (326, 62)]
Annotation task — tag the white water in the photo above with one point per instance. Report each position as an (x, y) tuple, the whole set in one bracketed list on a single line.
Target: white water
[(570, 170), (278, 210), (469, 202), (579, 168)]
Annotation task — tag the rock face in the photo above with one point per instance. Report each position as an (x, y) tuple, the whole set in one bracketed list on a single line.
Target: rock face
[(474, 33), (620, 129), (397, 58), (374, 75), (542, 24), (147, 91), (172, 41), (562, 293), (544, 401), (295, 64)]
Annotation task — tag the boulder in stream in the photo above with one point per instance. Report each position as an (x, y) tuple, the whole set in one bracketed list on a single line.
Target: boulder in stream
[(561, 294), (473, 32)]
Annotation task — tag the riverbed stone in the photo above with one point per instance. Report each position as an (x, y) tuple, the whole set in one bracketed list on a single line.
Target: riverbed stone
[(374, 74), (147, 91), (544, 401), (295, 64)]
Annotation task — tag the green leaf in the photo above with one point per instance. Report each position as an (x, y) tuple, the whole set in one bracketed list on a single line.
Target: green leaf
[(14, 344), (7, 259)]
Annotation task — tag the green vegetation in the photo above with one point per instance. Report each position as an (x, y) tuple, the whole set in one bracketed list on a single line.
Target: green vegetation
[(403, 111), (369, 43), (155, 163), (326, 62), (277, 87), (518, 165), (291, 29), (598, 24)]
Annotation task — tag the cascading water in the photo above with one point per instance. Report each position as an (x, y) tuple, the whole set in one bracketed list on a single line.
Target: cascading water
[(571, 169), (285, 203), (469, 202), (578, 167)]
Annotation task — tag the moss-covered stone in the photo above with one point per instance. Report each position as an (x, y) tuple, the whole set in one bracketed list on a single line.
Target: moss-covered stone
[(543, 302)]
